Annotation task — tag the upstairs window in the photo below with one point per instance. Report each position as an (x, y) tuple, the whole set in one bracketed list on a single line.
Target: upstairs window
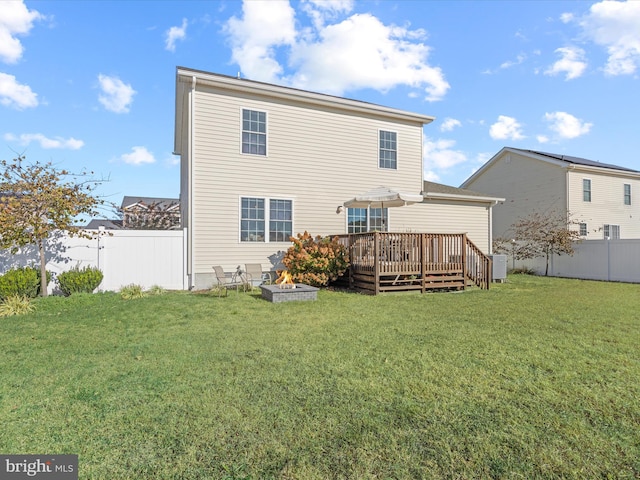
[(254, 132), (586, 190), (361, 220), (388, 150), (627, 194)]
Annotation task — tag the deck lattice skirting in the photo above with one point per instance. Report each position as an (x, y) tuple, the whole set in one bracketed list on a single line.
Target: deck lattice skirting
[(382, 262)]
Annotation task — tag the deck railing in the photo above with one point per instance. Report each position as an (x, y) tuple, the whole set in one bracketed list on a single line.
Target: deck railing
[(382, 261)]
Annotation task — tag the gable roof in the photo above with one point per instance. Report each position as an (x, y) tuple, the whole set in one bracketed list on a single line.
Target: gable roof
[(163, 203), (554, 158), (576, 160), (432, 190)]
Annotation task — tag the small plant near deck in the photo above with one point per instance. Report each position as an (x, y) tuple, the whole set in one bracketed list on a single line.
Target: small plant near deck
[(15, 305), (130, 292), (79, 280), (316, 261)]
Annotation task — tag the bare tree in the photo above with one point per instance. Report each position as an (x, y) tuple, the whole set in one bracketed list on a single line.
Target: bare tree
[(540, 234)]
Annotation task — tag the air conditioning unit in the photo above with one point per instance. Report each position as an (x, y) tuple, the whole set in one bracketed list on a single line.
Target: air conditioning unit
[(499, 267)]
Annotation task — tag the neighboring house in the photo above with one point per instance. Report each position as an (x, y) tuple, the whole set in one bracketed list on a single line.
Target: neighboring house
[(602, 198), (261, 163), (150, 213), (96, 223)]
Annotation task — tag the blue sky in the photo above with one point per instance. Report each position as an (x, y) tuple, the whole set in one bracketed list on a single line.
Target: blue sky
[(90, 85)]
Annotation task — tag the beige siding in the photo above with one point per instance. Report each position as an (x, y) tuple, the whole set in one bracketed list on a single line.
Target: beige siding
[(317, 157), (526, 184), (607, 203), (444, 217)]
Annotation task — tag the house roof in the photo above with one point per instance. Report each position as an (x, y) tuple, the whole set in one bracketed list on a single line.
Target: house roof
[(96, 223), (554, 158), (576, 160), (432, 190), (164, 203)]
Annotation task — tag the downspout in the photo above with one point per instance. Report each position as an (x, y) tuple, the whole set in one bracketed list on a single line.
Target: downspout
[(192, 279)]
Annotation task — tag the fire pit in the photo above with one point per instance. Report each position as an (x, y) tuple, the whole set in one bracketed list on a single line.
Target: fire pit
[(299, 292), (286, 290)]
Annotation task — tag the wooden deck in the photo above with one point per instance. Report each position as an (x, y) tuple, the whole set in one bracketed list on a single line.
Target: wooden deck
[(384, 262)]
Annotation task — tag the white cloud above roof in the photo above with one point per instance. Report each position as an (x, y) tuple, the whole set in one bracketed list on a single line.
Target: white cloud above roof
[(506, 128), (174, 34), (440, 154), (15, 19), (572, 63), (359, 51), (45, 142), (616, 27), (116, 95), (566, 126), (448, 124), (16, 95), (138, 156)]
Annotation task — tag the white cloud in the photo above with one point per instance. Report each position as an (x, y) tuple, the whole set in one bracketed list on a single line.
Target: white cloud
[(116, 95), (511, 63), (138, 156), (45, 142), (357, 52), (506, 128), (174, 34), (615, 26), (542, 138), (449, 124), (567, 126), (15, 95), (263, 26), (440, 154), (15, 19), (571, 62), (566, 17)]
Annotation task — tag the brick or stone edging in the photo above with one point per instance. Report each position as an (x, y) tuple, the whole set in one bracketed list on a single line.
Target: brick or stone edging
[(301, 293)]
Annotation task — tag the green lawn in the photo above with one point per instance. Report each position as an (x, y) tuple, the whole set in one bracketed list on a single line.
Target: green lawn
[(535, 378)]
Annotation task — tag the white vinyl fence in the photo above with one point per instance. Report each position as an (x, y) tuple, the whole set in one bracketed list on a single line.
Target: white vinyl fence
[(608, 260), (141, 257)]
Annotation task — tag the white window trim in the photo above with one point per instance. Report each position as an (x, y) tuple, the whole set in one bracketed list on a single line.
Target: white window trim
[(590, 190), (266, 119), (397, 151), (624, 195), (346, 221), (267, 211)]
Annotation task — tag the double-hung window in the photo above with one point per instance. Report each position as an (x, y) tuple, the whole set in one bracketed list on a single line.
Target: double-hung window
[(361, 220), (583, 229), (254, 132), (254, 213), (627, 194), (586, 190), (388, 156)]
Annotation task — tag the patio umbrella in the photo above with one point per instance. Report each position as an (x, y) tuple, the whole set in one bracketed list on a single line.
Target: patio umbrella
[(383, 197)]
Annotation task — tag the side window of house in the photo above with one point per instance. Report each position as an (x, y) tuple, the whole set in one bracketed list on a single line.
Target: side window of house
[(252, 220), (388, 156), (611, 231), (253, 214), (586, 190), (627, 194), (583, 229), (360, 220), (280, 220), (254, 132)]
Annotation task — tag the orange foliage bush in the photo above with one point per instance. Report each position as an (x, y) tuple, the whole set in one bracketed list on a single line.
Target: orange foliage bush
[(316, 261)]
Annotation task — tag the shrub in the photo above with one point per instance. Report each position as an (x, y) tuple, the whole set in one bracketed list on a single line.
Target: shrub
[(80, 280), (132, 291), (15, 305), (156, 290), (316, 261), (23, 281)]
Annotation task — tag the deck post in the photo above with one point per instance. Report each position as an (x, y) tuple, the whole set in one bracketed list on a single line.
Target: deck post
[(376, 250), (464, 260), (423, 261)]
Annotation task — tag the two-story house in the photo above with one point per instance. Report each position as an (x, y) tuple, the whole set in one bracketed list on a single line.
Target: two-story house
[(600, 197), (261, 163)]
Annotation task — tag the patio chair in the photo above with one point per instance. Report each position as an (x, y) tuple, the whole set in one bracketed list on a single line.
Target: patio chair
[(223, 282), (255, 275)]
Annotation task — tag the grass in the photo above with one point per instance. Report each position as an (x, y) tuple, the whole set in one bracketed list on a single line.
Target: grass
[(536, 378)]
